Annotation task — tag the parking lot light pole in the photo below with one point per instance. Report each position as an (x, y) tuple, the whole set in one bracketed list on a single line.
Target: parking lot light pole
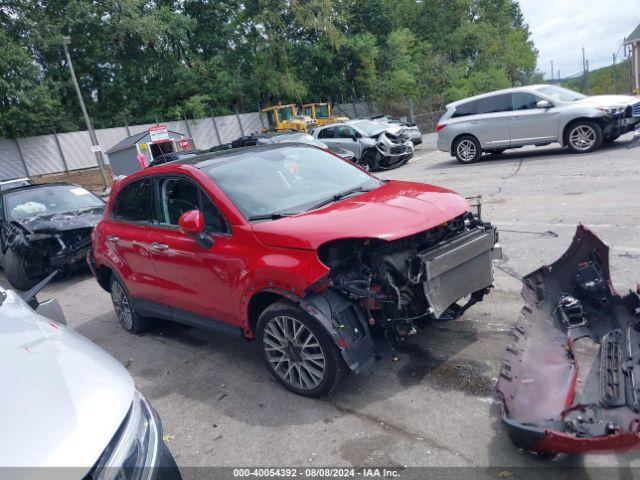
[(94, 140)]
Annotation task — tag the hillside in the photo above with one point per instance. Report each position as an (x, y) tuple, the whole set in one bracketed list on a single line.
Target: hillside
[(601, 80)]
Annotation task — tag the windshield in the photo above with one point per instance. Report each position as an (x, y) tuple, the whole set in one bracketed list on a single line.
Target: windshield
[(286, 180), (299, 137), (49, 200), (322, 111), (561, 94), (285, 113), (369, 127)]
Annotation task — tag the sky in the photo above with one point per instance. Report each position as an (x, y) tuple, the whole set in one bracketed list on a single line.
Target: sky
[(560, 28)]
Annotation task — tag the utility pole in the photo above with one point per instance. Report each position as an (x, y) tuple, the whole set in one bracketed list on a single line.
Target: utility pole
[(613, 71), (94, 140), (586, 76), (551, 71)]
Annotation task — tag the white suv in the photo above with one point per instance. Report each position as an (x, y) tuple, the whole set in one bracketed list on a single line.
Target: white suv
[(534, 115)]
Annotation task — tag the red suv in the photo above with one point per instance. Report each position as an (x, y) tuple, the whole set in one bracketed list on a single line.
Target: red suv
[(294, 246)]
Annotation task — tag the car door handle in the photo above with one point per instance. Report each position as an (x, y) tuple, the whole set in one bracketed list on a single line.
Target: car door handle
[(112, 238), (473, 121), (516, 118), (159, 247)]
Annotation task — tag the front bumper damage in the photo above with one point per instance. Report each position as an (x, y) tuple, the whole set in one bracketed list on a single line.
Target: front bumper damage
[(398, 286), (548, 404)]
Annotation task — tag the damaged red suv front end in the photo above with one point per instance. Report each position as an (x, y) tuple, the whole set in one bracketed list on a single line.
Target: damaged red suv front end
[(550, 404)]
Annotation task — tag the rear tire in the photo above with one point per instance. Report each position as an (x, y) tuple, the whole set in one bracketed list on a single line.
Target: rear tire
[(129, 319), (16, 270), (370, 158), (467, 149), (583, 136), (298, 351)]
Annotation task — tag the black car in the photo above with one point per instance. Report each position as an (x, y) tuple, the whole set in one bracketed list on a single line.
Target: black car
[(289, 136), (45, 227), (173, 156)]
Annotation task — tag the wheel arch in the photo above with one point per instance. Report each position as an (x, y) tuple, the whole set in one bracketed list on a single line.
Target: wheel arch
[(565, 130), (103, 275), (458, 137), (264, 298)]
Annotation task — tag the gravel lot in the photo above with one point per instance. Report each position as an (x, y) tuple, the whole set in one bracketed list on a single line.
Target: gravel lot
[(435, 406)]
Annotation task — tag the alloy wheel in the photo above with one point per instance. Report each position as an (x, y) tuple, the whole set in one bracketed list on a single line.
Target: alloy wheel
[(466, 150), (294, 353), (582, 137), (121, 305)]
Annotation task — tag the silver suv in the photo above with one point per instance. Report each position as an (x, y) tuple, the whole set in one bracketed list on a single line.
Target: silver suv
[(534, 115)]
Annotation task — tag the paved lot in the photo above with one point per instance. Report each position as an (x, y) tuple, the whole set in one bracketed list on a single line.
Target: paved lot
[(435, 407)]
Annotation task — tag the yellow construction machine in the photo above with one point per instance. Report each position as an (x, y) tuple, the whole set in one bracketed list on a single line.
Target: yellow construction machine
[(285, 117), (322, 113)]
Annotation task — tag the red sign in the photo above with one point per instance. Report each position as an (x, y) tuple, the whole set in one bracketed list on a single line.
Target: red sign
[(159, 134), (184, 144)]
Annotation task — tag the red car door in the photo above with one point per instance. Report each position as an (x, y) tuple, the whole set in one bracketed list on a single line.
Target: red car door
[(125, 240), (195, 280)]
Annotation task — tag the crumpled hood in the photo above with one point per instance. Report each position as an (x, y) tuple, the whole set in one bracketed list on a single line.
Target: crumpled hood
[(609, 100), (61, 222), (63, 397), (396, 209)]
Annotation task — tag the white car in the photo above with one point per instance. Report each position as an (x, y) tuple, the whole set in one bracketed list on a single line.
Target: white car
[(66, 403)]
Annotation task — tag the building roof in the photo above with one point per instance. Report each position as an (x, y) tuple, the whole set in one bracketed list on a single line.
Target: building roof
[(132, 140), (633, 36)]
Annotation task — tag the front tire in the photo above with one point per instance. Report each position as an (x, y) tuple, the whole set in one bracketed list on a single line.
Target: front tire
[(371, 158), (583, 136), (467, 149), (129, 319), (298, 351), (16, 269)]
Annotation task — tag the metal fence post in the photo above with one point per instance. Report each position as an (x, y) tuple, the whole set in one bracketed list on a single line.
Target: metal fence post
[(215, 127), (24, 164), (62, 157), (235, 107), (188, 127), (411, 115)]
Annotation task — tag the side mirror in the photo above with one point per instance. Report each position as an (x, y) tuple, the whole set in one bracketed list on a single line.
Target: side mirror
[(191, 222), (544, 104), (354, 137)]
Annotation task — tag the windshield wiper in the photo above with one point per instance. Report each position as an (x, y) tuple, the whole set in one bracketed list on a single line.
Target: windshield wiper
[(270, 216), (339, 196)]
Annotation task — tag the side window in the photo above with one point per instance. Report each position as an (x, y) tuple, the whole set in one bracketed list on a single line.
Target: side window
[(465, 109), (345, 132), (327, 133), (524, 101), (213, 219), (179, 195), (134, 202), (494, 104)]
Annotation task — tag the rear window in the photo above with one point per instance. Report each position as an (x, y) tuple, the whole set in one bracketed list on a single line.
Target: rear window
[(134, 202), (465, 109), (327, 133), (494, 104)]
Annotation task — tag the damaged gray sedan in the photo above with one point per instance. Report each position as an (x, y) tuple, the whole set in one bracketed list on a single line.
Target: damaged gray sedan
[(376, 145), (45, 228)]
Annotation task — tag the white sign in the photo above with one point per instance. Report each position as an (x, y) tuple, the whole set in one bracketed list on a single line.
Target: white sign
[(159, 133), (96, 148)]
